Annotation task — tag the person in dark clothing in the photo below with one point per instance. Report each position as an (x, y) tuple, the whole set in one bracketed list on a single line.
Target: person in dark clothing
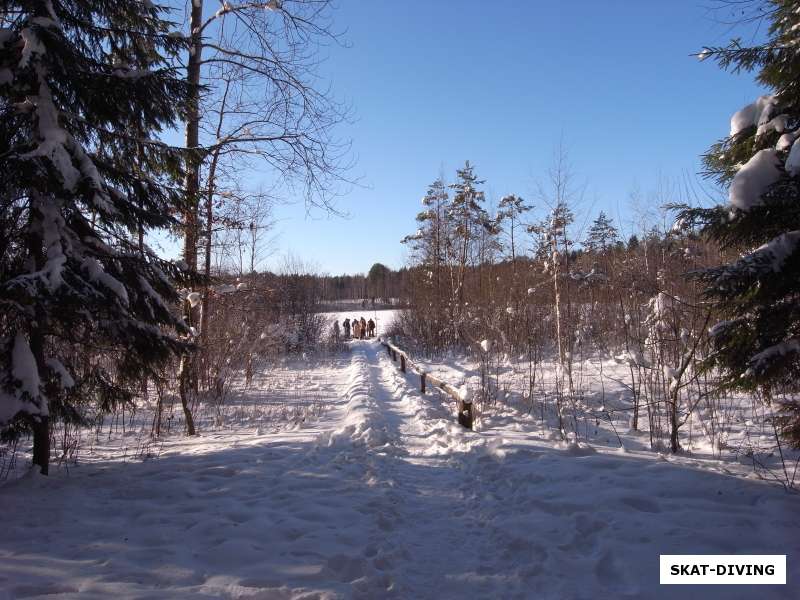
[(346, 325), (363, 328), (371, 328)]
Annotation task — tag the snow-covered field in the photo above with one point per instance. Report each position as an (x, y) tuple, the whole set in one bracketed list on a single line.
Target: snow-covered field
[(731, 431), (383, 317), (383, 495)]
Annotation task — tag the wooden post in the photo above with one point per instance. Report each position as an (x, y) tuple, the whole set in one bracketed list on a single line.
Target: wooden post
[(403, 363), (422, 381), (465, 414)]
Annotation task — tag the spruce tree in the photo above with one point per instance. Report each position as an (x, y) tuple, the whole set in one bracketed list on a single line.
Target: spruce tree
[(85, 87), (757, 345), (602, 235)]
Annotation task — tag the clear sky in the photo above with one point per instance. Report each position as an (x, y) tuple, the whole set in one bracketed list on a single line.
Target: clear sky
[(500, 83)]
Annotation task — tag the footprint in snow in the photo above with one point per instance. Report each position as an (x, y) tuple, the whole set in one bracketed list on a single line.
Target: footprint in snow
[(642, 504), (346, 568)]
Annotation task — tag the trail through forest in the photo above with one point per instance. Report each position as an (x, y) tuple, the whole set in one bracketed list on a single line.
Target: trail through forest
[(384, 496)]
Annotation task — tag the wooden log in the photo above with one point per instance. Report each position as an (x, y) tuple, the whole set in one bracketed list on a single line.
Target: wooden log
[(422, 382), (403, 363)]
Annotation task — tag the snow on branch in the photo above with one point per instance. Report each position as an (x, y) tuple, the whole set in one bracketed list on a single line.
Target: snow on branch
[(26, 395), (753, 180)]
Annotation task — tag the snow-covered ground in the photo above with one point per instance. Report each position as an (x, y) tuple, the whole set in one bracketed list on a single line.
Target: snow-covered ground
[(382, 495)]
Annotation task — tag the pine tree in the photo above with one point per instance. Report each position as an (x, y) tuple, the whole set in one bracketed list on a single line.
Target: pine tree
[(430, 241), (757, 345), (512, 209), (468, 215), (85, 86), (432, 247), (602, 235)]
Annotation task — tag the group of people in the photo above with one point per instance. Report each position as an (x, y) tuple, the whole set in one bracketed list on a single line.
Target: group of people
[(360, 328)]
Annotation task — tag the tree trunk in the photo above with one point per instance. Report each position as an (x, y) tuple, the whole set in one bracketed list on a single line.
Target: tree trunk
[(191, 221), (41, 443), (559, 341), (184, 385), (40, 424), (674, 425), (193, 136)]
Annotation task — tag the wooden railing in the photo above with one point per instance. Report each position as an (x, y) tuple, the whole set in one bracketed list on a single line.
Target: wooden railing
[(465, 411)]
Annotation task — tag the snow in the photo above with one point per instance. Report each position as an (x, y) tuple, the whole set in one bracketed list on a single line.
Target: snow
[(193, 298), (777, 124), (753, 115), (633, 358), (225, 288), (465, 394), (777, 250), (32, 46), (52, 223), (26, 395), (59, 369), (785, 141), (23, 367), (384, 496), (793, 160), (53, 139), (486, 345), (754, 178), (766, 357), (154, 296), (97, 273)]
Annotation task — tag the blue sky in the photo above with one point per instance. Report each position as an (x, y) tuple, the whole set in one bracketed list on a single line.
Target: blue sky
[(501, 83)]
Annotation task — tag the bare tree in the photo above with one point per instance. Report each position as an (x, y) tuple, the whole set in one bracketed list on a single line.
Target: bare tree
[(256, 102)]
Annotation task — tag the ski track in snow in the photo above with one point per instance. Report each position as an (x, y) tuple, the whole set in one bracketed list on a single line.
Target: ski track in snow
[(386, 497)]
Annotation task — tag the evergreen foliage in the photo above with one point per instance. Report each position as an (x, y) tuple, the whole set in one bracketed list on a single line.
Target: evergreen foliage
[(85, 87), (757, 345), (468, 217), (430, 241), (602, 235), (512, 210)]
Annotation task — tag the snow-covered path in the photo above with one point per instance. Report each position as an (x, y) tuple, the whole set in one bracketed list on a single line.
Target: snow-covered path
[(386, 497)]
